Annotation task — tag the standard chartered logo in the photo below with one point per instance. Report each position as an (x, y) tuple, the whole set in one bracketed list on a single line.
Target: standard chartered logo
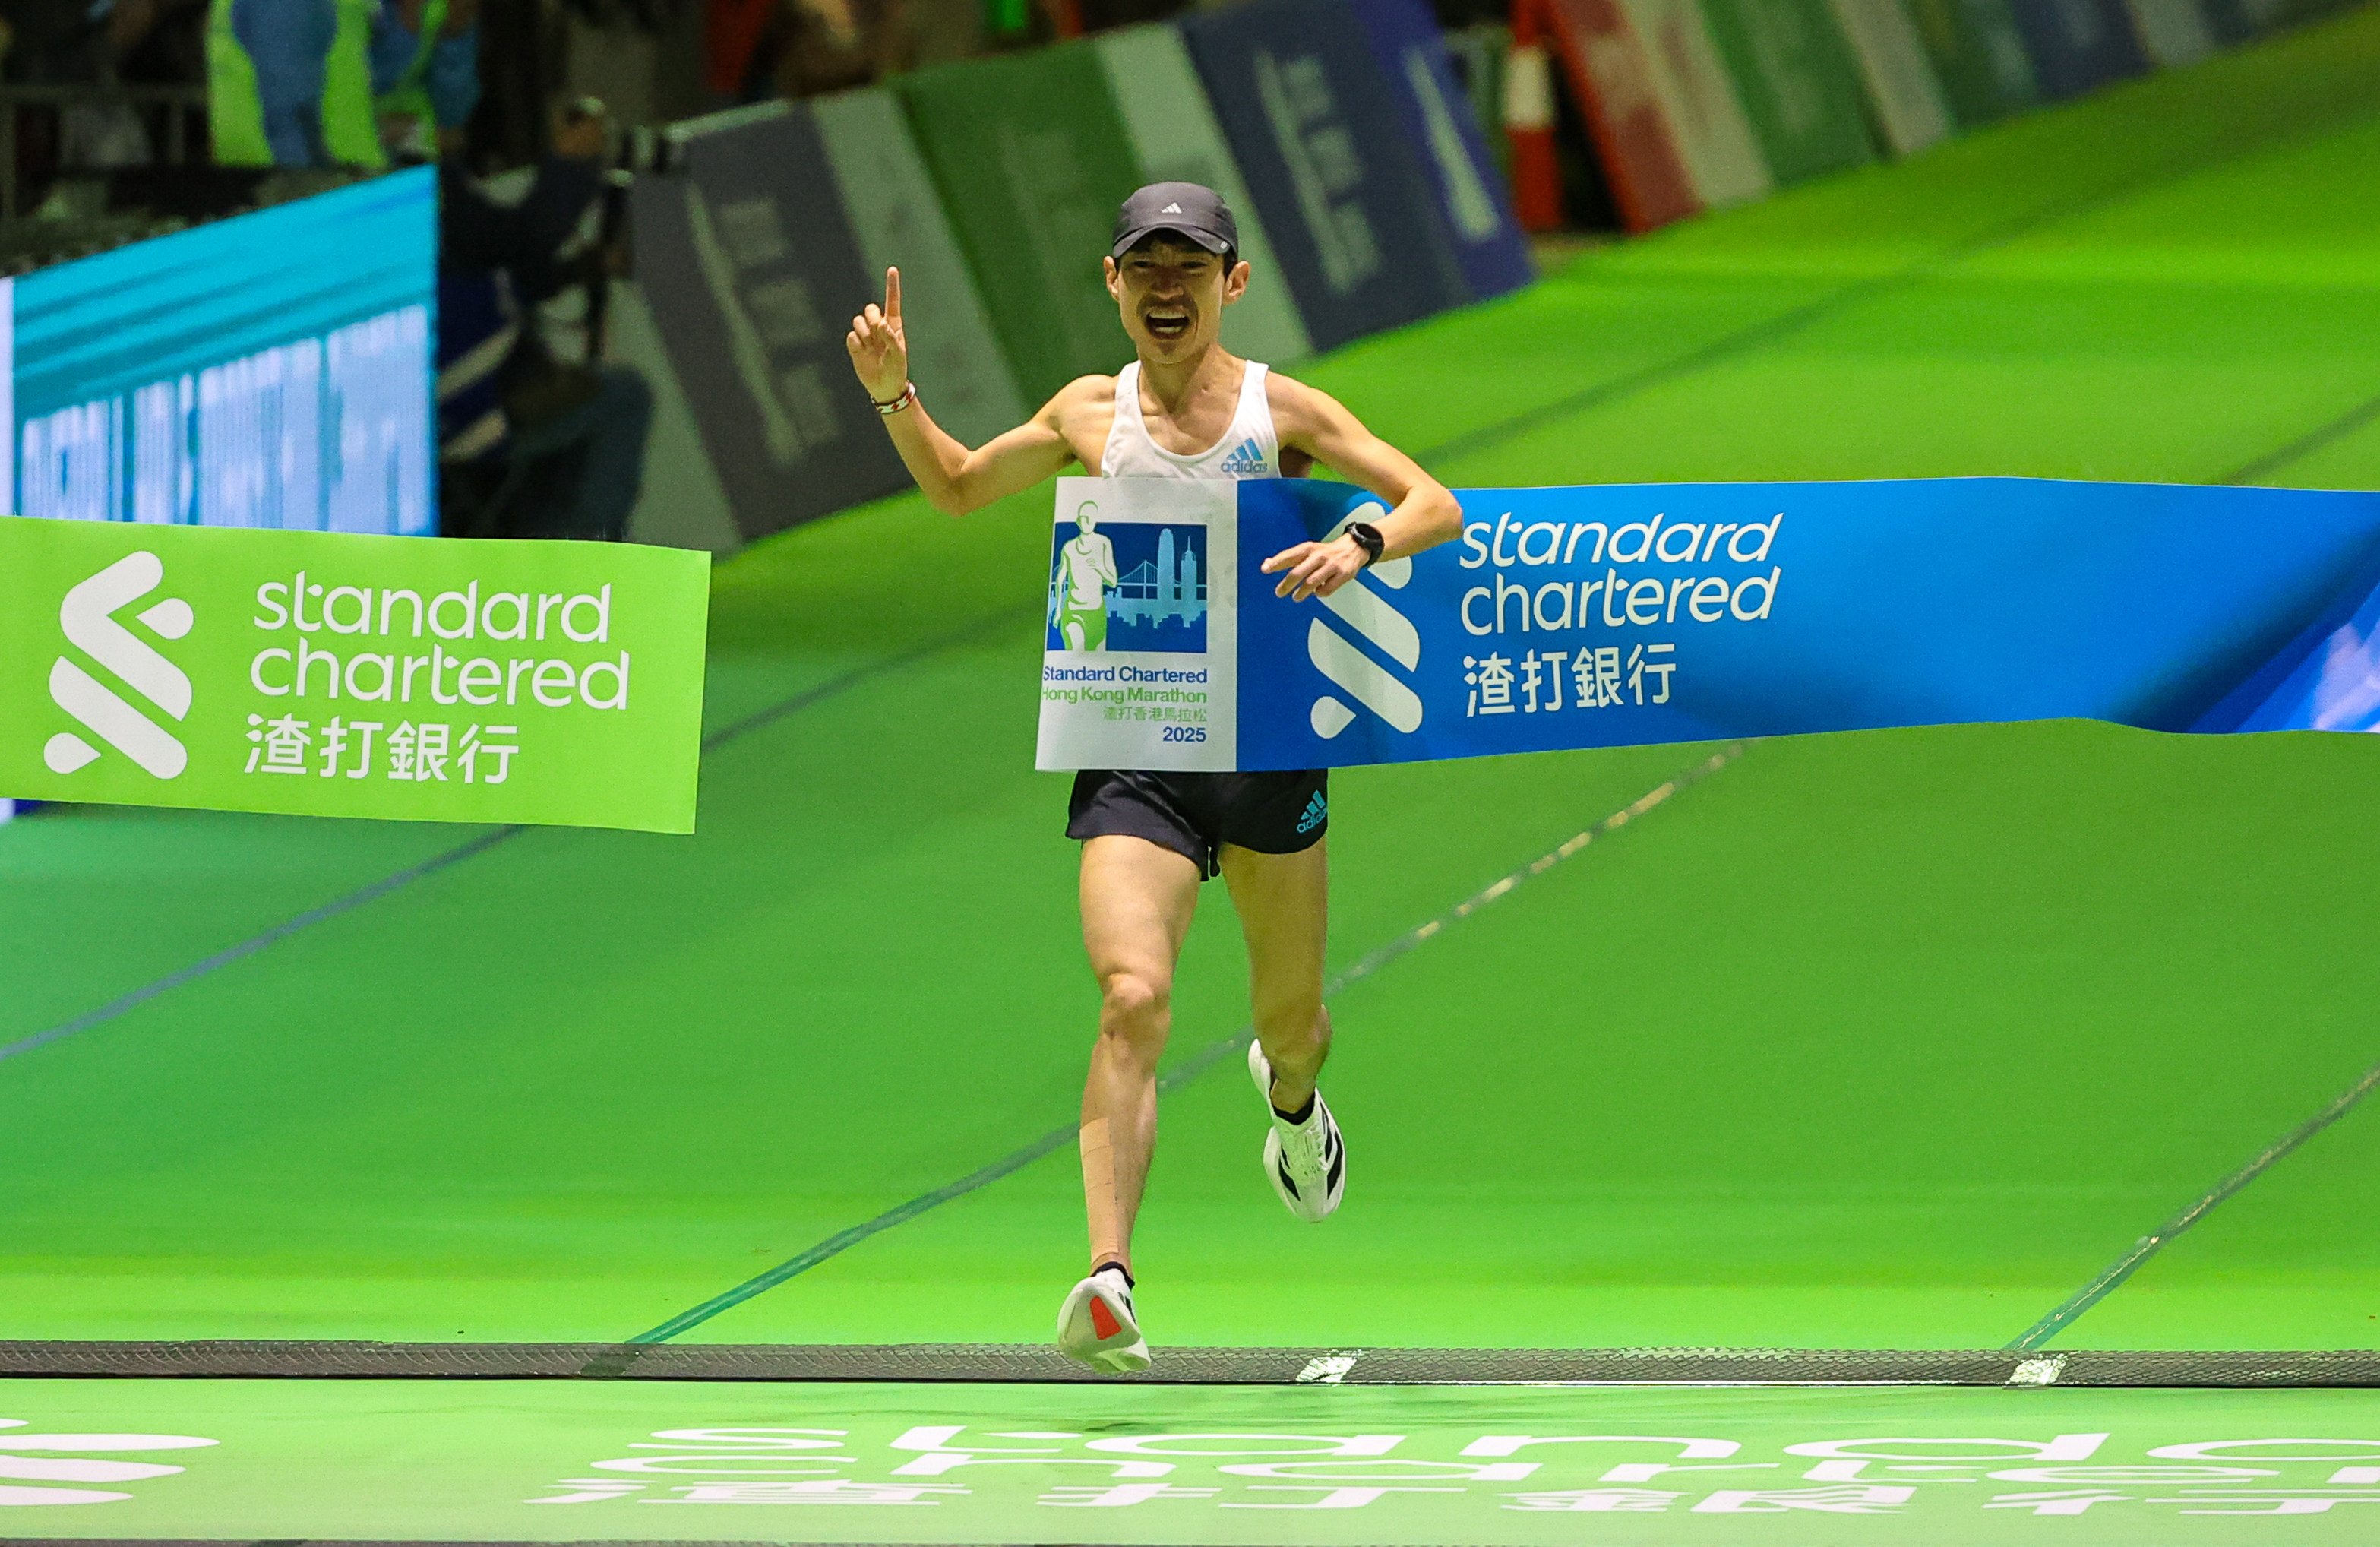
[(88, 618), (1350, 670)]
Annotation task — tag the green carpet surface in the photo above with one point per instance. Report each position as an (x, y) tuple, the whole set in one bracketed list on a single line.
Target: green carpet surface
[(1888, 1040), (513, 1461)]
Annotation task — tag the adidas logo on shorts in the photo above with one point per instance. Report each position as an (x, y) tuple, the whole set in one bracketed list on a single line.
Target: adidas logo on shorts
[(1317, 811)]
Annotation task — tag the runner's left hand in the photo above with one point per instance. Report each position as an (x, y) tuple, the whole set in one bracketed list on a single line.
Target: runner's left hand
[(1315, 568)]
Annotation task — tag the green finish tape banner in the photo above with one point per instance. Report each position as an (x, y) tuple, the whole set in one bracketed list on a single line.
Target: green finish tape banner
[(1799, 82), (331, 674), (1032, 159)]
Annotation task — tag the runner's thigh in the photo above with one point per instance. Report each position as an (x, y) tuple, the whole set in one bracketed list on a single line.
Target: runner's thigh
[(1284, 903), (1138, 899)]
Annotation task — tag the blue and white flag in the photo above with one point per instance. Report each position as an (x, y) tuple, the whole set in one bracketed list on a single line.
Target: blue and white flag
[(1624, 614)]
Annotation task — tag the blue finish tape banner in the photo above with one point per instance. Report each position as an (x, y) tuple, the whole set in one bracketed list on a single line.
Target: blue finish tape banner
[(1489, 246), (271, 370), (1352, 220), (1637, 614)]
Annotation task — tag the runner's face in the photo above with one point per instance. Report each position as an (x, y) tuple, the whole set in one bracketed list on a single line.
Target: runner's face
[(1173, 296)]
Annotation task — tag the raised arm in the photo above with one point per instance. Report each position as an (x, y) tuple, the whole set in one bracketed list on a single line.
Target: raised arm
[(1422, 512), (956, 479)]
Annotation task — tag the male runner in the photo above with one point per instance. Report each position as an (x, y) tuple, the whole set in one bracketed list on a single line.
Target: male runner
[(1185, 408)]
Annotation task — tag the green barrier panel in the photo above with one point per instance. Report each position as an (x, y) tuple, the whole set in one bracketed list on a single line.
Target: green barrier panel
[(1800, 85), (1032, 159), (1901, 87), (336, 674), (1979, 57), (1690, 80), (2175, 32), (1177, 138), (888, 199)]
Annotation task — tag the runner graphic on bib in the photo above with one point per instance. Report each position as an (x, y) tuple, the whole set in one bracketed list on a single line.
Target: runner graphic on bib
[(1078, 590)]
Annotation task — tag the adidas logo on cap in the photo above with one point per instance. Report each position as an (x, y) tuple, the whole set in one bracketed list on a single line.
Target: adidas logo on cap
[(1170, 209)]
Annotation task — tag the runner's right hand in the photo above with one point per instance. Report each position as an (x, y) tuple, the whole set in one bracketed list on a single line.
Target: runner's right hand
[(879, 354)]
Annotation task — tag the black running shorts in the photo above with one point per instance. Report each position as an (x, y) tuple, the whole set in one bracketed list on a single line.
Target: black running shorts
[(1196, 815)]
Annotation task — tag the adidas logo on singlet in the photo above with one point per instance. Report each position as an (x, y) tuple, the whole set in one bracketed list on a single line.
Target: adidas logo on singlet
[(1246, 461)]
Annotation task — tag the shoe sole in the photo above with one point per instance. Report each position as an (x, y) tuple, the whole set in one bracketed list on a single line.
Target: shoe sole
[(1122, 1352), (1260, 1073)]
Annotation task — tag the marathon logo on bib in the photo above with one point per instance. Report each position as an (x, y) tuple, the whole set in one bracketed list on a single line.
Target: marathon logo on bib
[(1141, 645)]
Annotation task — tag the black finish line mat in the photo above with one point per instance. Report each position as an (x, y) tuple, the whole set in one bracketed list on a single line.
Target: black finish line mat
[(943, 1363)]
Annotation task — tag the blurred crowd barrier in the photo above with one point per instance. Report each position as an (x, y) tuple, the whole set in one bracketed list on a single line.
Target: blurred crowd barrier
[(1368, 190), (1696, 105), (1383, 169)]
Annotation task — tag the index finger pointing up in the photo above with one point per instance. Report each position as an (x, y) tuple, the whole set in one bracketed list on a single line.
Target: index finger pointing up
[(892, 294)]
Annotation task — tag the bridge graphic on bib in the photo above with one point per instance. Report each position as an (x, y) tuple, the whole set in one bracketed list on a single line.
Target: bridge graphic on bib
[(1167, 589), (1128, 586)]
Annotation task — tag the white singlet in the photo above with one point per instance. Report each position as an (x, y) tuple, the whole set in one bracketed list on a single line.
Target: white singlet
[(1249, 447)]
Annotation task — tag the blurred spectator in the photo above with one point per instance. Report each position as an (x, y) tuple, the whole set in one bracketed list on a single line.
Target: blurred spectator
[(48, 41), (142, 41), (95, 46), (826, 45), (289, 83), (531, 445), (156, 41), (520, 53), (317, 82), (758, 49), (425, 70)]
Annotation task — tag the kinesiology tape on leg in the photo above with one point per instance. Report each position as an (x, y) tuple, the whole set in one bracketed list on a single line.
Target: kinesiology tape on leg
[(1099, 1205)]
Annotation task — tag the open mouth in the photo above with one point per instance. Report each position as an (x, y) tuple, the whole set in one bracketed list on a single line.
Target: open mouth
[(1166, 324)]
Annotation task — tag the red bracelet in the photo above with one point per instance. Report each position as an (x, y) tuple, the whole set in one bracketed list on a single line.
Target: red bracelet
[(891, 405)]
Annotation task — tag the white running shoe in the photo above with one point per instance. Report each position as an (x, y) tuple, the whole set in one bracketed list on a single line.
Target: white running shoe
[(1096, 1326), (1305, 1162)]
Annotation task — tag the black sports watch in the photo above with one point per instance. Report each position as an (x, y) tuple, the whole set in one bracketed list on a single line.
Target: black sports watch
[(1368, 537)]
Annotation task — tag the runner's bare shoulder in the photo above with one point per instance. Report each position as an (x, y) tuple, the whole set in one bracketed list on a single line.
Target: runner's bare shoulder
[(1086, 391), (1297, 408), (1081, 412), (1297, 412)]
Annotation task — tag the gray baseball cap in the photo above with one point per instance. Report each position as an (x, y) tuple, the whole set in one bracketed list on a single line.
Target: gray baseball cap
[(1196, 214)]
